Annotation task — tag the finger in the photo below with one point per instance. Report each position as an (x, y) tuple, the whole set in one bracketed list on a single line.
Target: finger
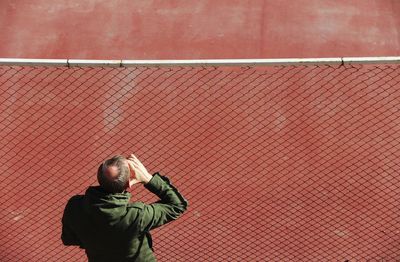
[(136, 162), (136, 159), (133, 168), (136, 170), (133, 182), (133, 159), (130, 163)]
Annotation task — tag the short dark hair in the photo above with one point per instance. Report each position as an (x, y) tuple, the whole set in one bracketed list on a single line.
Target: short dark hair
[(119, 183)]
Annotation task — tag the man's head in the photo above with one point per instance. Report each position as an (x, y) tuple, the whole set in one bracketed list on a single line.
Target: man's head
[(113, 174)]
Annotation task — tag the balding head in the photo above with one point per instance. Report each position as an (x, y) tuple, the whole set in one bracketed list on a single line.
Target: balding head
[(113, 174)]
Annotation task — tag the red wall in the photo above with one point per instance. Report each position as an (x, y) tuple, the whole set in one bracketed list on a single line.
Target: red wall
[(198, 29), (322, 141)]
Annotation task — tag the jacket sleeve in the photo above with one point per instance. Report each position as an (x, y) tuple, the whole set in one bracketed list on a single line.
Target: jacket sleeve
[(68, 236), (171, 205)]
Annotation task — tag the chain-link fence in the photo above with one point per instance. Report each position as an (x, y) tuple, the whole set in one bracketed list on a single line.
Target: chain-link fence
[(279, 163)]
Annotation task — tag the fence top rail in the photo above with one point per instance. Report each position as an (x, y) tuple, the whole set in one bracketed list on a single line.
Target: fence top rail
[(200, 62)]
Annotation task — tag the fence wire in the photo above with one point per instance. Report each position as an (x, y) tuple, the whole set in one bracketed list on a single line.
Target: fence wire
[(284, 163)]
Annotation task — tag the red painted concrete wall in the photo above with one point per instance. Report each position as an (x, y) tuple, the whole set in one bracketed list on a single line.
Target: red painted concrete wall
[(341, 203), (198, 29)]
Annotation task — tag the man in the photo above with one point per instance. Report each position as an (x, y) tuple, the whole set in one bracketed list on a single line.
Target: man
[(107, 226)]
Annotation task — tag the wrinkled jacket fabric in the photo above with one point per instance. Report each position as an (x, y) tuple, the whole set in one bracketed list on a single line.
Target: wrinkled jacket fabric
[(111, 229)]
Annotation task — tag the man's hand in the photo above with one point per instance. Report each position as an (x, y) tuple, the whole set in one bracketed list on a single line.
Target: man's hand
[(139, 173)]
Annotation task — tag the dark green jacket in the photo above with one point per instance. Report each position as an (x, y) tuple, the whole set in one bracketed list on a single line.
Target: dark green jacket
[(111, 229)]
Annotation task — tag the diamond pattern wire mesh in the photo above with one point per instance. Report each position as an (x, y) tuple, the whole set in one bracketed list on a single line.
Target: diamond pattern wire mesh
[(284, 163)]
